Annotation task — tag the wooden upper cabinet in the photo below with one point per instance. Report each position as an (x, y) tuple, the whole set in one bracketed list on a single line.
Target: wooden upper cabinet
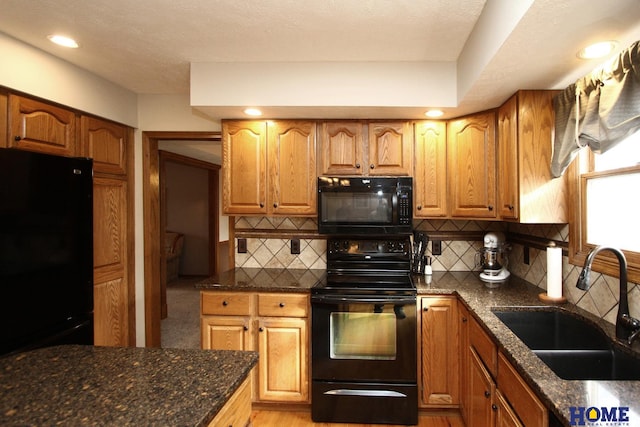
[(509, 206), (244, 159), (528, 193), (342, 148), (106, 143), (353, 148), (292, 168), (269, 168), (430, 170), (390, 148), (471, 153), (41, 127)]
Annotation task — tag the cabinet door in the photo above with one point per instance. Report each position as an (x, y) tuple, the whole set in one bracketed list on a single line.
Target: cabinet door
[(283, 365), (390, 148), (505, 417), (226, 333), (471, 151), (440, 356), (106, 144), (244, 188), (543, 199), (463, 324), (292, 168), (113, 301), (42, 127), (508, 194), (430, 177), (482, 392), (341, 148)]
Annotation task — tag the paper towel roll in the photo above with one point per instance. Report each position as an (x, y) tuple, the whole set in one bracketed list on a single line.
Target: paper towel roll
[(554, 272)]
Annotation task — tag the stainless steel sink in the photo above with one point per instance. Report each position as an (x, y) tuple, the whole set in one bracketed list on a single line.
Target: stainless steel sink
[(572, 346)]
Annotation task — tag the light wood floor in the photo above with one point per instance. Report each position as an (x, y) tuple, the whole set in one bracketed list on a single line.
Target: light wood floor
[(263, 418)]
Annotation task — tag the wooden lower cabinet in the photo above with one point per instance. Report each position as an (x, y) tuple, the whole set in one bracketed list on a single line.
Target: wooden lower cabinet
[(495, 394), (237, 410), (439, 360), (274, 324), (283, 363)]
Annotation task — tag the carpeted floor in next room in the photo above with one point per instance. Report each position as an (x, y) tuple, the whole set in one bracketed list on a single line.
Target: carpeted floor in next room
[(181, 328)]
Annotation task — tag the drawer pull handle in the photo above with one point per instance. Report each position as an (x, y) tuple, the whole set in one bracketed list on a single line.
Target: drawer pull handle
[(17, 138), (281, 305), (261, 329), (225, 303), (494, 407), (487, 394), (245, 327)]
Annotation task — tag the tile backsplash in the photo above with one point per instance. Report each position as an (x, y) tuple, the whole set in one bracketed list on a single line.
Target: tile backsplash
[(601, 299)]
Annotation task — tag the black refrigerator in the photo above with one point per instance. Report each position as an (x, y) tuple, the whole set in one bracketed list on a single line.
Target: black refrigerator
[(46, 250)]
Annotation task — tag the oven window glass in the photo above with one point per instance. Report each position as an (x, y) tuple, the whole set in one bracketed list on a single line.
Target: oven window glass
[(346, 207), (369, 336)]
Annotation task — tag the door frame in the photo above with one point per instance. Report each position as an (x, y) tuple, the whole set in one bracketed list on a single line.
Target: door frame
[(152, 229)]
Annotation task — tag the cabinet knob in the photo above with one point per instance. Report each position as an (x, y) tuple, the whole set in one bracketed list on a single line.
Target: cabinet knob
[(281, 305), (225, 303), (357, 165), (275, 205), (510, 207), (494, 407), (261, 329), (17, 137), (425, 309), (372, 166), (419, 207), (262, 205), (245, 327), (464, 320), (487, 394), (490, 207)]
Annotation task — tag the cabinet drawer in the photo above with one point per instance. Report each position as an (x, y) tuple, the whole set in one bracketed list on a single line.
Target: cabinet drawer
[(523, 401), (226, 303), (283, 305), (484, 346)]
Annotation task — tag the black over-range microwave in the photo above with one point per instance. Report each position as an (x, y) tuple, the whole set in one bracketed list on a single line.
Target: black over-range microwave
[(363, 205)]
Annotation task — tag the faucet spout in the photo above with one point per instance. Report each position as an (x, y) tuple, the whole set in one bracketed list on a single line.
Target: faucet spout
[(627, 328)]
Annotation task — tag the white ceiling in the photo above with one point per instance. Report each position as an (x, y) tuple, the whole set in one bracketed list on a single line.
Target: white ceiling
[(496, 46)]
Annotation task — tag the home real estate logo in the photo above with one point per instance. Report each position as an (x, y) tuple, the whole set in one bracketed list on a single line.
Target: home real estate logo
[(603, 416)]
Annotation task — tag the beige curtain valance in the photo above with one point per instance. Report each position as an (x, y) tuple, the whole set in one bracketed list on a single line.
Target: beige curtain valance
[(598, 110)]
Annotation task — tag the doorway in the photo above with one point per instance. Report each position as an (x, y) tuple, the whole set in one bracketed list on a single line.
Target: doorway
[(154, 228)]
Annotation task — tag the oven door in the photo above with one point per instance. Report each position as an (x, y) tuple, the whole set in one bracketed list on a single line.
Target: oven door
[(364, 338)]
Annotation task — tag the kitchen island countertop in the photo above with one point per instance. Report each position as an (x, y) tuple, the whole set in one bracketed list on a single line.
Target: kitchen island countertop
[(117, 386)]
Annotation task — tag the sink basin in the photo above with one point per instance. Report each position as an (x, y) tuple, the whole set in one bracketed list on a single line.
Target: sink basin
[(572, 346)]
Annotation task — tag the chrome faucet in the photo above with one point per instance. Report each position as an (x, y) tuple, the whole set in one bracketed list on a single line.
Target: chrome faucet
[(627, 328)]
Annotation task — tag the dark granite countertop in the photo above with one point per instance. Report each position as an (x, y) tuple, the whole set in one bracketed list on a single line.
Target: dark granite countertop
[(264, 279), (109, 386), (557, 394)]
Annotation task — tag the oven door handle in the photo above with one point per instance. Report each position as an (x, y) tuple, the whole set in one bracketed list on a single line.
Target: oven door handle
[(355, 299), (365, 393)]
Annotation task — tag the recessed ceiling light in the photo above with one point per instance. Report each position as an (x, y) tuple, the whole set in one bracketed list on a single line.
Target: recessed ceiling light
[(597, 50), (63, 41), (252, 112), (434, 113)]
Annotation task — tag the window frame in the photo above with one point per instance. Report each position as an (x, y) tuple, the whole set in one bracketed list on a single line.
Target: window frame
[(579, 172)]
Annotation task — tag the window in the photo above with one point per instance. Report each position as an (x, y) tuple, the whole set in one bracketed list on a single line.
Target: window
[(605, 187)]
